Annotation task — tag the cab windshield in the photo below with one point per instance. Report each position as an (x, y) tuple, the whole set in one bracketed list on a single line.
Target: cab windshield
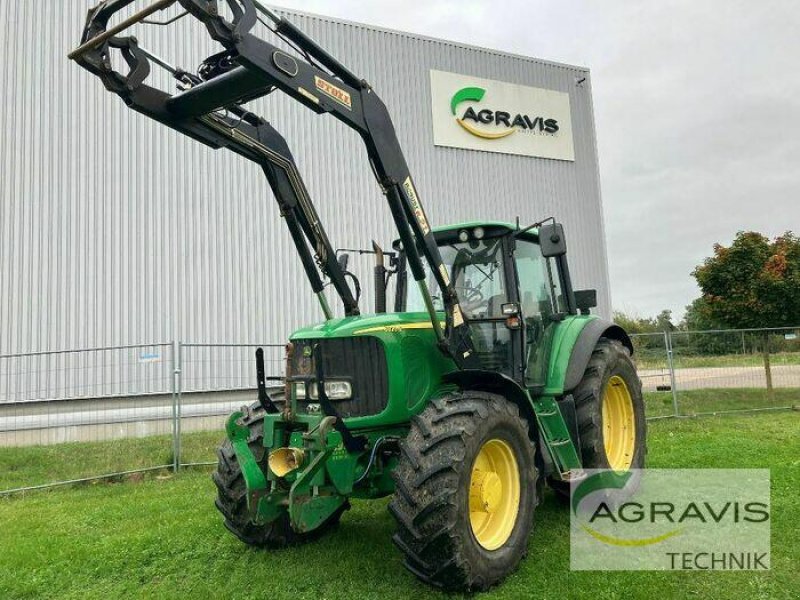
[(476, 270)]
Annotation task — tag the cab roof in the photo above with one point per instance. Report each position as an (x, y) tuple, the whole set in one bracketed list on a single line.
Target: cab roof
[(492, 229)]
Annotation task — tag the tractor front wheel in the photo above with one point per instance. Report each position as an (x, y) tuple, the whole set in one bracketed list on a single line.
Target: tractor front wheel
[(231, 495), (465, 491)]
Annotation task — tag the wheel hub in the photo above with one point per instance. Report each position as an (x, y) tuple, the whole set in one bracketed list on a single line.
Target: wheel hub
[(619, 424), (494, 494), (486, 491)]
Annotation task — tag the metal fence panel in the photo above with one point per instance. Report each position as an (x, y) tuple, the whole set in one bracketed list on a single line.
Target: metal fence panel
[(217, 379), (713, 372), (108, 372), (736, 370), (76, 414), (653, 358)]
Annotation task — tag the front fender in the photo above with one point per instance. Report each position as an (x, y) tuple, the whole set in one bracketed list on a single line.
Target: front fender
[(495, 383), (547, 430)]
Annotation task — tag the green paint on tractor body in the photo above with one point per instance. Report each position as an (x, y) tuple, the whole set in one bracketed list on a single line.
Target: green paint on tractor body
[(330, 474)]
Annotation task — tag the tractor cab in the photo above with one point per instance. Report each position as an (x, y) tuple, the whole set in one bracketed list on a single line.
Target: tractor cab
[(513, 290)]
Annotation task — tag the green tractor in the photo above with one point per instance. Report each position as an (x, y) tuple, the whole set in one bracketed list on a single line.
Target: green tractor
[(489, 378)]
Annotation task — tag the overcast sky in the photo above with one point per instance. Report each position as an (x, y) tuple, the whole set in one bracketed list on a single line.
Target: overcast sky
[(697, 104)]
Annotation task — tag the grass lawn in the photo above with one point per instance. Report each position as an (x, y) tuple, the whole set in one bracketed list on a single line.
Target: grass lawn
[(161, 537), (34, 465), (692, 402), (652, 359)]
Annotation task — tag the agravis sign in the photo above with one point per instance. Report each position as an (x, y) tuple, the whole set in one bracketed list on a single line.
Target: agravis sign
[(495, 116)]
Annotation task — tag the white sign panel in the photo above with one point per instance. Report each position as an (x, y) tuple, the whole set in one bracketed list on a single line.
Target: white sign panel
[(494, 116)]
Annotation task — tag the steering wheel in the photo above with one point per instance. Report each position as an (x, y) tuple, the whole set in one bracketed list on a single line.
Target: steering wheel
[(473, 294)]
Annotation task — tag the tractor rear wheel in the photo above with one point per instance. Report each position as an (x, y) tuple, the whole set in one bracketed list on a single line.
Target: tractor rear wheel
[(231, 495), (610, 411), (465, 491)]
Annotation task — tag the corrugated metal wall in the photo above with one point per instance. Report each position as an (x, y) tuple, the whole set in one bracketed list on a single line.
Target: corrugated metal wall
[(115, 230)]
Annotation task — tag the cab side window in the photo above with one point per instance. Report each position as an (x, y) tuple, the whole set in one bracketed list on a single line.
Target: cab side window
[(539, 287), (540, 298)]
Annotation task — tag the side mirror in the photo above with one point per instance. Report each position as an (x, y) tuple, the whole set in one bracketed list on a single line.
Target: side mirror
[(510, 309), (552, 240), (343, 260), (585, 300)]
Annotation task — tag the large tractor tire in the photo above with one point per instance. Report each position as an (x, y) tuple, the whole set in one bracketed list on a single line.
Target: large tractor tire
[(231, 495), (610, 411), (465, 491)]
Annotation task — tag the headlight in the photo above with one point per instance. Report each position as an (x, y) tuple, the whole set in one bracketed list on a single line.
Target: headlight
[(334, 389)]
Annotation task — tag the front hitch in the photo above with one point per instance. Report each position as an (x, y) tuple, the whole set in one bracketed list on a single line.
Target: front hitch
[(298, 479)]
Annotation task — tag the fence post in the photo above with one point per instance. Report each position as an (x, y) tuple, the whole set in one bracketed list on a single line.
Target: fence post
[(768, 368), (671, 366), (174, 366), (176, 406), (180, 401)]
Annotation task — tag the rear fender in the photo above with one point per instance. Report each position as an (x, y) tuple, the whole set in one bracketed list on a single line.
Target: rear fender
[(585, 344)]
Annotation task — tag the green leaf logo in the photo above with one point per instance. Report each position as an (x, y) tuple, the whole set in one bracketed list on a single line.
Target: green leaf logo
[(612, 480), (474, 94), (606, 480), (467, 94)]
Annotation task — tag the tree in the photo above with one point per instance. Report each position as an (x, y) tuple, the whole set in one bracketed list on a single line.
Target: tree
[(752, 283), (636, 324), (698, 318), (664, 321)]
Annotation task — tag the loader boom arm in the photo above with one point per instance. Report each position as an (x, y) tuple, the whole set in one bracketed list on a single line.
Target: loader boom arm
[(210, 109)]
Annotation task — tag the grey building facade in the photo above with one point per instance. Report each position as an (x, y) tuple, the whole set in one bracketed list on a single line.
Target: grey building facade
[(115, 230)]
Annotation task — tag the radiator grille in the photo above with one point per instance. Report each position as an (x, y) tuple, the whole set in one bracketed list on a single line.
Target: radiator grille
[(360, 360)]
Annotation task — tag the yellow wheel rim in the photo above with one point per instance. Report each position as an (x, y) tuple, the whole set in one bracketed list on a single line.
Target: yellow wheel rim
[(494, 492), (619, 424)]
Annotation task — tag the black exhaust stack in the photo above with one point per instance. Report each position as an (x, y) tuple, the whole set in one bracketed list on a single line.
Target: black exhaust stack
[(380, 279)]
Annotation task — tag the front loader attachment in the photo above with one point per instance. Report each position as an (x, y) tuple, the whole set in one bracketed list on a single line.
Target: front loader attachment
[(210, 107), (217, 119)]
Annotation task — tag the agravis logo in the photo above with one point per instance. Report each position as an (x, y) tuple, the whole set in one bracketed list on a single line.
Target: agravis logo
[(503, 122), (671, 519), (604, 482)]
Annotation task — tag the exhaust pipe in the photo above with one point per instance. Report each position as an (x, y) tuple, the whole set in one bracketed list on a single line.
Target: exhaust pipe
[(379, 278), (285, 460)]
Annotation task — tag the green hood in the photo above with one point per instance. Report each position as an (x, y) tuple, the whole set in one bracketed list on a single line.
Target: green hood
[(363, 325)]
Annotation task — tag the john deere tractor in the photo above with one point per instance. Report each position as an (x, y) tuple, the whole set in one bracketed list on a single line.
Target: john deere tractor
[(488, 378)]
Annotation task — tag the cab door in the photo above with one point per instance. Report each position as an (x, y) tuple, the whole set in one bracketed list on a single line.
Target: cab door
[(542, 307)]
